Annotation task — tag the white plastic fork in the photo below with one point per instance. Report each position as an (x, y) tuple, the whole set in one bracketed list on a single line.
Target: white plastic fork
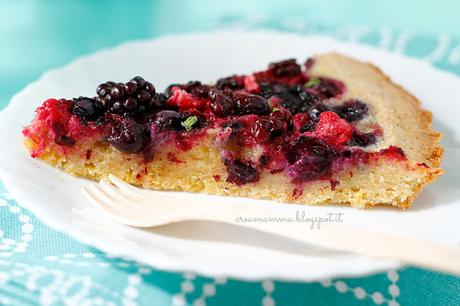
[(135, 207)]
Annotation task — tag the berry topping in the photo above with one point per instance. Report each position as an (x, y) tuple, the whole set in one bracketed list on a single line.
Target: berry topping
[(87, 109), (280, 114), (284, 68), (352, 110), (131, 98), (128, 136)]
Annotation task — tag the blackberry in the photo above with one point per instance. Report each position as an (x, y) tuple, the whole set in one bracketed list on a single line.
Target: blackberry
[(87, 109), (284, 68), (131, 98)]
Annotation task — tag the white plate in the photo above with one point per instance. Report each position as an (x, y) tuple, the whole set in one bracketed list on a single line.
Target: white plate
[(216, 249)]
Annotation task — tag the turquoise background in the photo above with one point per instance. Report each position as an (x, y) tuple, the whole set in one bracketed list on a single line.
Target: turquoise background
[(41, 266), (37, 35)]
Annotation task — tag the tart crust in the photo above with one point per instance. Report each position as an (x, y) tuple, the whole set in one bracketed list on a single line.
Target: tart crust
[(384, 181)]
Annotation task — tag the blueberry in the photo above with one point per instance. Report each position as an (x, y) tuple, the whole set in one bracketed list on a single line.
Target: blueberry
[(309, 146), (352, 110), (168, 120), (295, 98), (310, 158), (362, 139), (241, 173), (87, 109), (128, 136)]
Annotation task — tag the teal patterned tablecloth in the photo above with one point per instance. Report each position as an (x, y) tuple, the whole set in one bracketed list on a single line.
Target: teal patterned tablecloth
[(40, 266)]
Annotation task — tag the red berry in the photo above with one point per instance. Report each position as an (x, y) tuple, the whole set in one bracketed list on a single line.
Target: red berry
[(333, 129), (261, 130), (282, 114)]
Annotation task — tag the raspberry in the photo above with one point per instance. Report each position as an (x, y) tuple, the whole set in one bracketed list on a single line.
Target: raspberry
[(332, 129)]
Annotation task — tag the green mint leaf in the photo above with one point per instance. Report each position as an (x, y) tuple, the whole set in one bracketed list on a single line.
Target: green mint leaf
[(312, 82), (275, 109), (189, 122)]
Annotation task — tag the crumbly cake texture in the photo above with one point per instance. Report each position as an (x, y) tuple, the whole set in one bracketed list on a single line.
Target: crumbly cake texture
[(389, 178)]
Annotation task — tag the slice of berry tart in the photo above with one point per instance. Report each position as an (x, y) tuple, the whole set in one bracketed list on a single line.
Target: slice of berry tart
[(333, 130)]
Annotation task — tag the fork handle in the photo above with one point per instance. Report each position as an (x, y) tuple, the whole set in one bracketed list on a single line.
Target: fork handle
[(408, 250)]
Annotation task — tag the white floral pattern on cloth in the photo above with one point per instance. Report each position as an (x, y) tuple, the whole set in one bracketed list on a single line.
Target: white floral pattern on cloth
[(41, 266)]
